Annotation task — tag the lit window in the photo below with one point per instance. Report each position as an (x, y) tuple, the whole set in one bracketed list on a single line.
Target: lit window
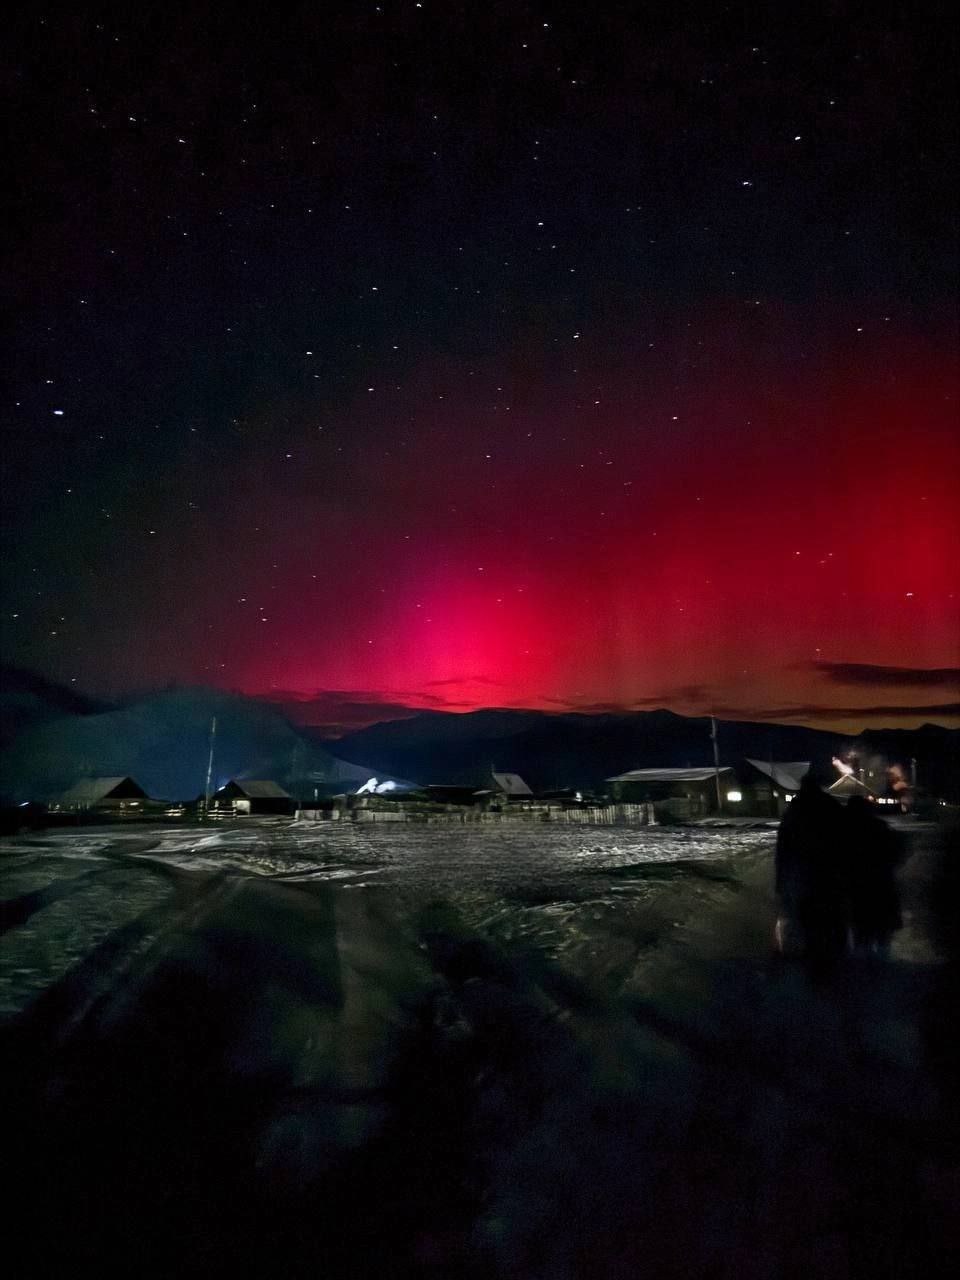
[(734, 796), (788, 798)]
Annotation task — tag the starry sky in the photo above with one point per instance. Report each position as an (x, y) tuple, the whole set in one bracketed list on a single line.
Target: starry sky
[(445, 355)]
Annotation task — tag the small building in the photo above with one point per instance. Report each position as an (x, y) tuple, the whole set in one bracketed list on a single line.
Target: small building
[(768, 786), (505, 788), (109, 796), (676, 794), (250, 796)]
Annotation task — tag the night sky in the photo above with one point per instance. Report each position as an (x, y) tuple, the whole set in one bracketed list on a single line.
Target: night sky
[(457, 355)]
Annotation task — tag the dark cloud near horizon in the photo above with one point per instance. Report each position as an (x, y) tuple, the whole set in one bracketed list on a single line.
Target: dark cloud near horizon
[(351, 697), (867, 673), (686, 693), (455, 680), (726, 711), (818, 711)]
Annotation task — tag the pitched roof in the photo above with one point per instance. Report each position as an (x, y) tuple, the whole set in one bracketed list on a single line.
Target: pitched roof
[(848, 785), (668, 775), (92, 790), (511, 784), (785, 773), (261, 789)]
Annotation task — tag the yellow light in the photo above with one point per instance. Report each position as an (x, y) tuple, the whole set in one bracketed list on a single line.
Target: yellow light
[(734, 796)]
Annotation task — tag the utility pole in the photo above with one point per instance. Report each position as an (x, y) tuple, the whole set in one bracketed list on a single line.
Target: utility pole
[(206, 789), (716, 760), (297, 768)]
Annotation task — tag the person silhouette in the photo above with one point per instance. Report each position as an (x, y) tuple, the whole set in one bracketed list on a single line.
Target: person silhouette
[(873, 853), (809, 875)]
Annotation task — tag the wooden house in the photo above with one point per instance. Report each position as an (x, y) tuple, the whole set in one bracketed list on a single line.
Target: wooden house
[(249, 797), (676, 794), (768, 786), (110, 796), (505, 789)]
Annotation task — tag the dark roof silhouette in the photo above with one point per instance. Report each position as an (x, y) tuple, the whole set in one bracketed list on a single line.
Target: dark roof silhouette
[(257, 789), (511, 784), (91, 791), (848, 785)]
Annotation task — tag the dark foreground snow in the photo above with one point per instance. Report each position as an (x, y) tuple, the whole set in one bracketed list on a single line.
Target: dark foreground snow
[(285, 1050)]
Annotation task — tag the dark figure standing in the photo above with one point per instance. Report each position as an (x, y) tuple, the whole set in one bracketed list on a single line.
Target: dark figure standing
[(809, 874), (873, 854)]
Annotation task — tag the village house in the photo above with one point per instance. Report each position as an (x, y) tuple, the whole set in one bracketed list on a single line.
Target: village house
[(511, 786), (116, 797), (506, 789), (751, 789), (676, 794), (768, 786), (250, 797)]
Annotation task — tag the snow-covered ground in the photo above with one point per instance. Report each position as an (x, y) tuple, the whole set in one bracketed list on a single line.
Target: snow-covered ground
[(528, 881), (440, 854), (544, 1052)]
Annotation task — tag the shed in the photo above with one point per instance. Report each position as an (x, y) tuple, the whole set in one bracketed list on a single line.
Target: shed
[(252, 796), (102, 795)]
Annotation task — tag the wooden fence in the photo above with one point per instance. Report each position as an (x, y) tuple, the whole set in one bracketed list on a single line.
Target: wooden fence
[(610, 815)]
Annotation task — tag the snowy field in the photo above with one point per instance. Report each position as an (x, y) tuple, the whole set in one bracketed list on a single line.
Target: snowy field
[(522, 881), (405, 853)]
